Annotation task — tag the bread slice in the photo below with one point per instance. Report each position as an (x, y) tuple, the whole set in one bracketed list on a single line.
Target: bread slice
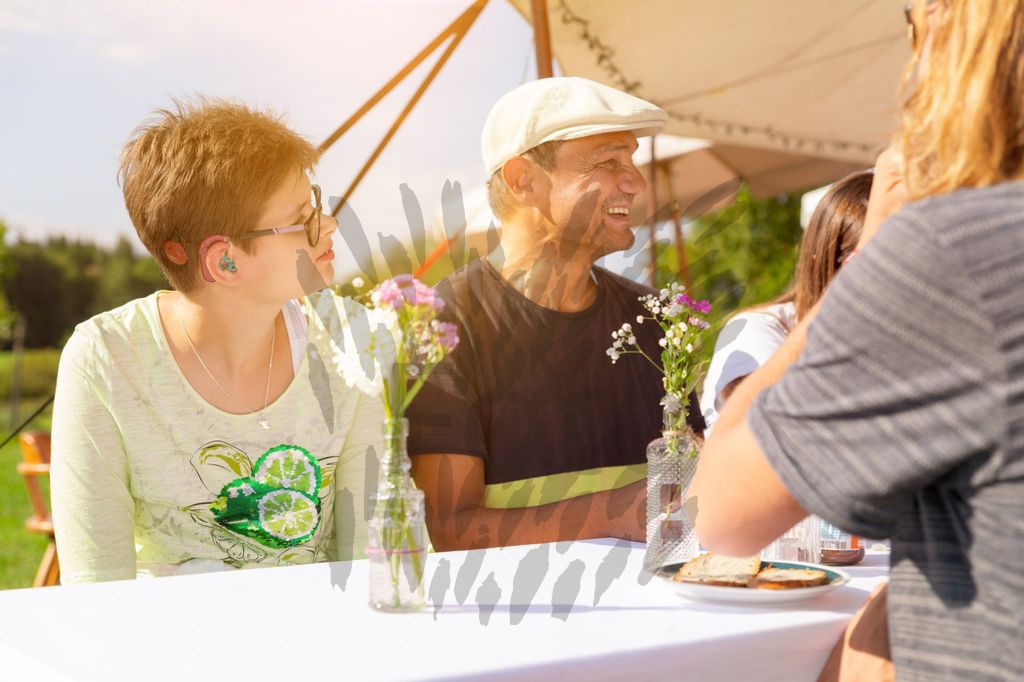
[(713, 569), (772, 578)]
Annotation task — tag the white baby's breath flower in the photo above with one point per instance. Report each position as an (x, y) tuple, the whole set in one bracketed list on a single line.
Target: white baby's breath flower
[(663, 342), (358, 283), (363, 340), (671, 401), (615, 335), (631, 341), (689, 348), (673, 310), (639, 319)]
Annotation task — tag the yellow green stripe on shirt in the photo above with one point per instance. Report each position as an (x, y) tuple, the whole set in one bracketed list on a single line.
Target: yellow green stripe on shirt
[(540, 490)]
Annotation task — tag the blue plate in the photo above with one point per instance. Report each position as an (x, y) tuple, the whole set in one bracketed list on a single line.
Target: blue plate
[(745, 595)]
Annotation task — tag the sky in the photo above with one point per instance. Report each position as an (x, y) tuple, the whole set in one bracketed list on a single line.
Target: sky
[(77, 77)]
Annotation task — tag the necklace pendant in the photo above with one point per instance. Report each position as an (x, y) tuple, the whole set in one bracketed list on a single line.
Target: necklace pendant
[(264, 424)]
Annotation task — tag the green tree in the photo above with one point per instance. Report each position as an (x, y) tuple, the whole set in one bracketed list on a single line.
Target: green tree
[(7, 315), (743, 254), (34, 286), (739, 256), (57, 284)]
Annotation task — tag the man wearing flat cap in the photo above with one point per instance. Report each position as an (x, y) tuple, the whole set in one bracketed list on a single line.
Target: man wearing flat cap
[(527, 433)]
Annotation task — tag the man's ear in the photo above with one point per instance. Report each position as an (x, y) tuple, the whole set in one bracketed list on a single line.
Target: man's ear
[(520, 176)]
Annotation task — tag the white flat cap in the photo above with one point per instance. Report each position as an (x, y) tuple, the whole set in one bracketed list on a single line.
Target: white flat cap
[(565, 108)]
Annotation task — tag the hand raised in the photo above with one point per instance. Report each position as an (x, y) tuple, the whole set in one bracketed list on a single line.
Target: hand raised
[(888, 193)]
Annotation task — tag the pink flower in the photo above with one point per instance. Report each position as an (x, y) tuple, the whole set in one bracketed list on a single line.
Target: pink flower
[(697, 322), (387, 294), (447, 334), (695, 306), (405, 290)]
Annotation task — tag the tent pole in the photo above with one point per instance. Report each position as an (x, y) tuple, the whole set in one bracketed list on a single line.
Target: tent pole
[(541, 37), (460, 28), (542, 51), (452, 28), (681, 264), (652, 220)]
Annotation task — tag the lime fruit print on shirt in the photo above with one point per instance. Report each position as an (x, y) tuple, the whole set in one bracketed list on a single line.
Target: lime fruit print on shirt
[(288, 466), (278, 505)]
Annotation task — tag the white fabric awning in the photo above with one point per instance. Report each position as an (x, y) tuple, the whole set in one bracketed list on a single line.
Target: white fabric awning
[(800, 76)]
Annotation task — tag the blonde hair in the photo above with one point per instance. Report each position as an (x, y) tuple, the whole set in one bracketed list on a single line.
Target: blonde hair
[(206, 167), (962, 118)]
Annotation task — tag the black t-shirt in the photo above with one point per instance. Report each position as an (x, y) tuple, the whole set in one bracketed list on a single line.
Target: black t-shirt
[(531, 390)]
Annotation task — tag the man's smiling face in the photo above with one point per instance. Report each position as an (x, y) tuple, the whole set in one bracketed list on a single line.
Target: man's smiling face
[(593, 185)]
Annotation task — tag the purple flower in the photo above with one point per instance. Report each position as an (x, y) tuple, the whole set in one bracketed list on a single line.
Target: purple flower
[(387, 294), (447, 334), (406, 290), (695, 306), (697, 322)]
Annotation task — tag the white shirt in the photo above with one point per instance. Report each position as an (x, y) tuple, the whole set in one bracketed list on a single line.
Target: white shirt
[(745, 343)]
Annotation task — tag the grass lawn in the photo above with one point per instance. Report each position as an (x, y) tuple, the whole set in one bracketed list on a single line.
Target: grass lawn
[(20, 550)]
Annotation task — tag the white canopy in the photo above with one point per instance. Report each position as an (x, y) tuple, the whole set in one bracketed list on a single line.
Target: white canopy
[(800, 76)]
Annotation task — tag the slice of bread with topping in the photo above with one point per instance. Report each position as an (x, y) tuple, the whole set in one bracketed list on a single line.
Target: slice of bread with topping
[(713, 569), (772, 578)]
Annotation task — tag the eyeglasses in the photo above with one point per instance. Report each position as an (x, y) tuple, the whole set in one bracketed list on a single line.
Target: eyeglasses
[(311, 226)]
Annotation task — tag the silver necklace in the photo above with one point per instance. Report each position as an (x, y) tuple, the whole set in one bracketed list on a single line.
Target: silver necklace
[(262, 421)]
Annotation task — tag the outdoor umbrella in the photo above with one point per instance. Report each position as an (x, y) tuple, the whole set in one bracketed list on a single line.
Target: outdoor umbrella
[(699, 176)]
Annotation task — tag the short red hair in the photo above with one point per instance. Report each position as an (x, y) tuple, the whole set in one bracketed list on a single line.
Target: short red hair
[(205, 168)]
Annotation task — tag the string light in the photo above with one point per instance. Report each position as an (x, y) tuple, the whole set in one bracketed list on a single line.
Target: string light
[(604, 57)]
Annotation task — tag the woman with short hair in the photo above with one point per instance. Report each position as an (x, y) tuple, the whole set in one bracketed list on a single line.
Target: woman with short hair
[(209, 427)]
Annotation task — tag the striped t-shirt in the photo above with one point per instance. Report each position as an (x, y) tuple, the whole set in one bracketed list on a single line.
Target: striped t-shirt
[(904, 418)]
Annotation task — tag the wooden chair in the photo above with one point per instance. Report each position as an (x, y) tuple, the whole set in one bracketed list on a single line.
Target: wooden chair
[(35, 453)]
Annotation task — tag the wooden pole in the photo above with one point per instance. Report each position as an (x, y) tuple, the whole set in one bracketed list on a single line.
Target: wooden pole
[(474, 10), (677, 223), (459, 29), (652, 220), (18, 353), (541, 38)]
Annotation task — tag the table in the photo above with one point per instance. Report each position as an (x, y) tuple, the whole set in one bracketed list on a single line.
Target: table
[(560, 611)]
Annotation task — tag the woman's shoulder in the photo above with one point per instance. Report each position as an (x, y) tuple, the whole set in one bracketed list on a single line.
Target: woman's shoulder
[(773, 318), (114, 332)]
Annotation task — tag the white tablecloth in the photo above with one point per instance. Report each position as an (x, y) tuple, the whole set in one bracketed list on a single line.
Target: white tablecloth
[(567, 611)]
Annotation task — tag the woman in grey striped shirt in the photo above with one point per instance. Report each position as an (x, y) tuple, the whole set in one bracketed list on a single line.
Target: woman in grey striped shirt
[(897, 408)]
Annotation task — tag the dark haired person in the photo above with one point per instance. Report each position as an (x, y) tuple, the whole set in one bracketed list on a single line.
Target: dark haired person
[(752, 336)]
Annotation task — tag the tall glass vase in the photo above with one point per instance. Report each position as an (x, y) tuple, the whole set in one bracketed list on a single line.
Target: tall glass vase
[(671, 464), (397, 548)]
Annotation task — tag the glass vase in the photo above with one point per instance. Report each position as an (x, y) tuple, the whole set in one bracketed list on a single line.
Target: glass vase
[(802, 542), (397, 547), (671, 464)]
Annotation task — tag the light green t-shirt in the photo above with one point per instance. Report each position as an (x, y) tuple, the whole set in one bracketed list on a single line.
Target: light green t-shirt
[(150, 479)]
